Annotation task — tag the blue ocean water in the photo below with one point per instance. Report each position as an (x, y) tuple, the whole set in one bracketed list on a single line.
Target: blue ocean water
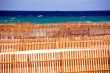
[(54, 17)]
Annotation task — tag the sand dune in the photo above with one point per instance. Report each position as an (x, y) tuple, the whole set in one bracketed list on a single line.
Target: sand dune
[(34, 30)]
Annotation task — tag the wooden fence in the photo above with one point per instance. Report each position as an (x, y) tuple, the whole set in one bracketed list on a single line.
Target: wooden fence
[(56, 61), (57, 48)]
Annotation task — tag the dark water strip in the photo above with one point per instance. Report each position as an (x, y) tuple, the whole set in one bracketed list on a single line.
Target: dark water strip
[(55, 13)]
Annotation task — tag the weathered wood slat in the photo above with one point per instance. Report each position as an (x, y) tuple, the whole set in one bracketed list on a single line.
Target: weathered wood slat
[(93, 38), (55, 62)]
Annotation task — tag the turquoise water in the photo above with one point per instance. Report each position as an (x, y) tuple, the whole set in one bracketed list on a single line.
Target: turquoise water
[(41, 19)]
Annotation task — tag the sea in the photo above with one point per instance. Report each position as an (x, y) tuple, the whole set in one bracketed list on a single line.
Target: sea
[(54, 16)]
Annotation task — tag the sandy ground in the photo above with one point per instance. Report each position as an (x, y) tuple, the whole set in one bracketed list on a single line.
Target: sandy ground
[(34, 30), (32, 36)]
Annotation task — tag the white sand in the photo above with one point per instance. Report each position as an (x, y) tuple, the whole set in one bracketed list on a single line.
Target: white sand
[(48, 51)]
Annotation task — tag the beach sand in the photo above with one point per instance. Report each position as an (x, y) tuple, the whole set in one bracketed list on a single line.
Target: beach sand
[(27, 36), (34, 30)]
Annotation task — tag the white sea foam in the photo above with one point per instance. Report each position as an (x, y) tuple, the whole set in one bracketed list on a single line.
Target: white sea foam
[(40, 16), (13, 18)]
